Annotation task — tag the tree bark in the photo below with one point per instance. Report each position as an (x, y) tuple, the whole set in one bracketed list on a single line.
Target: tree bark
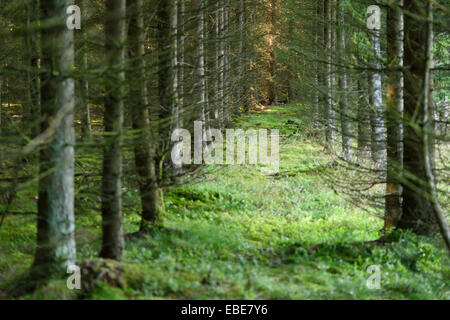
[(112, 224), (328, 110), (200, 72), (317, 76), (221, 57), (177, 25), (180, 47), (241, 58), (33, 78), (394, 111), (431, 127), (271, 60), (217, 71), (86, 128), (164, 61), (145, 165), (417, 208), (363, 119), (428, 132), (174, 59), (227, 64), (376, 104), (56, 226), (343, 102), (255, 55)]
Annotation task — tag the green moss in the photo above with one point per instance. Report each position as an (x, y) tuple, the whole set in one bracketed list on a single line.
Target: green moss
[(54, 290), (103, 291)]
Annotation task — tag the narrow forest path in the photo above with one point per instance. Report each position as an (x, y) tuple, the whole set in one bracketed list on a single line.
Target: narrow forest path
[(241, 234)]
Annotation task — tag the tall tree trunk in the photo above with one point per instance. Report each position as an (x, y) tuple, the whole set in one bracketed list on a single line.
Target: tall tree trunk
[(226, 61), (164, 61), (174, 59), (200, 72), (363, 119), (221, 39), (343, 102), (145, 165), (323, 67), (240, 58), (376, 103), (255, 55), (56, 226), (86, 128), (163, 113), (431, 107), (180, 47), (271, 60), (27, 105), (328, 110), (33, 78), (112, 224), (245, 96), (429, 131), (177, 26), (394, 110), (217, 72), (317, 76), (417, 208), (333, 74)]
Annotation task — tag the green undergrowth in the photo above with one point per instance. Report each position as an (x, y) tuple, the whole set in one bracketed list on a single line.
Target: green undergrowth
[(243, 234)]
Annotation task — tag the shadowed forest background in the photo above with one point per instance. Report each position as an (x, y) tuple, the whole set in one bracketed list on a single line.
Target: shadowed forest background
[(87, 121)]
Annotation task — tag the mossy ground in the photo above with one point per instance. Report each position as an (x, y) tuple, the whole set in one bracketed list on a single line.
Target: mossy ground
[(240, 234)]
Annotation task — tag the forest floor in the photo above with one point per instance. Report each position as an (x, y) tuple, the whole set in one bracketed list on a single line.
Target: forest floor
[(240, 234)]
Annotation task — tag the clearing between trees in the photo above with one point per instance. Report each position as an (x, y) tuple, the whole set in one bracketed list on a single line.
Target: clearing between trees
[(238, 234)]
